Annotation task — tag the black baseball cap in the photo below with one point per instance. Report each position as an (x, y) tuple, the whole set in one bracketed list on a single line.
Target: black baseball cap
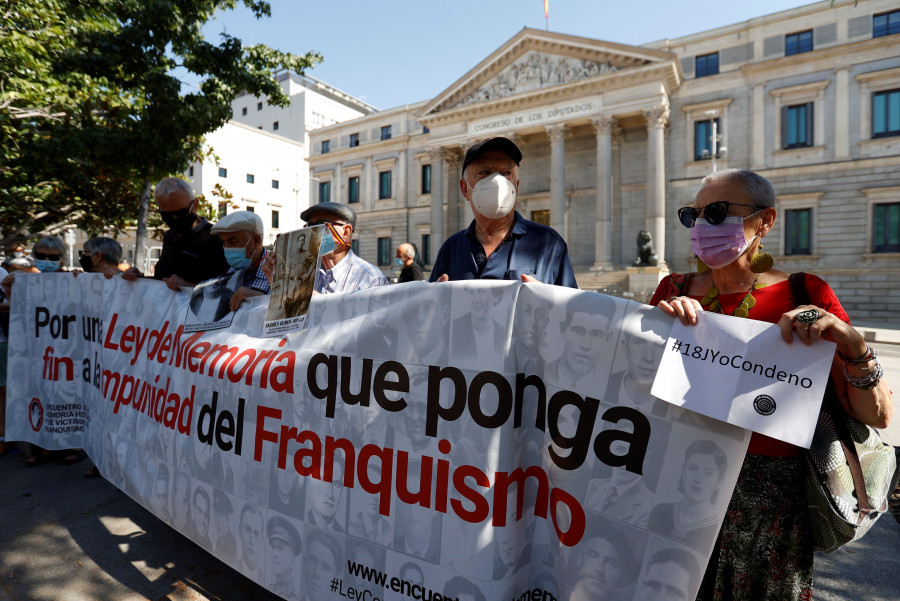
[(341, 211), (504, 145)]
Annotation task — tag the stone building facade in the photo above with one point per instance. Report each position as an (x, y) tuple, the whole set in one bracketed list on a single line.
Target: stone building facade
[(616, 138)]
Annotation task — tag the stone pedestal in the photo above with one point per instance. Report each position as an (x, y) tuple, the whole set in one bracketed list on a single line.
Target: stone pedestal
[(642, 281)]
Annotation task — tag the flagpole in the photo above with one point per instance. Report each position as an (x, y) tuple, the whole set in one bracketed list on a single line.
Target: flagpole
[(547, 14)]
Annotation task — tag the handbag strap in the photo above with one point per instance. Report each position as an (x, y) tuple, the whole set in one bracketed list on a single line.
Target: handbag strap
[(832, 407)]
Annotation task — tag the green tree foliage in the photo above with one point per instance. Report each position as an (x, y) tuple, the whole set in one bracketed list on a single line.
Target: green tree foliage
[(94, 111)]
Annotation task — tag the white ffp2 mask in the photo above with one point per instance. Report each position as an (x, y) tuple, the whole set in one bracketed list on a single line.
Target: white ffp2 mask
[(494, 196)]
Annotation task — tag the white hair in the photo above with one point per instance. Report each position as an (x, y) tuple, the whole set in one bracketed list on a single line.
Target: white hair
[(170, 185)]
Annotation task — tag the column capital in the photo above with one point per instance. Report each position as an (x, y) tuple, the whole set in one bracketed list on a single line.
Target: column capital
[(437, 153), (557, 132), (657, 117), (604, 124)]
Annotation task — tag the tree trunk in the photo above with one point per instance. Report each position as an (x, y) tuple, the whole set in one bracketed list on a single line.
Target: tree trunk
[(141, 232)]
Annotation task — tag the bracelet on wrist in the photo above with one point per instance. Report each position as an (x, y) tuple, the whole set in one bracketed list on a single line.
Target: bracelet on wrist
[(869, 355), (868, 381)]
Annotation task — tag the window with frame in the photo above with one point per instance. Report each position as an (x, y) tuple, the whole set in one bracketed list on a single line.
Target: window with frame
[(275, 126), (703, 132), (275, 217), (251, 178), (326, 146), (324, 191), (426, 249), (354, 140), (275, 184), (798, 43), (223, 172), (223, 209), (191, 171), (886, 227), (386, 132), (425, 130), (886, 24), (384, 252), (244, 111), (706, 64), (798, 232), (886, 113), (353, 189), (250, 209), (797, 125), (259, 106), (384, 184), (426, 179)]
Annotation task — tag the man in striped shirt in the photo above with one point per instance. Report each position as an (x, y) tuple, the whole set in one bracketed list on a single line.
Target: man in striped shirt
[(342, 270)]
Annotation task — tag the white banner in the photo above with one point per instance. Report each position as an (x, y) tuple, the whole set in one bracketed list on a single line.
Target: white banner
[(484, 440), (742, 372)]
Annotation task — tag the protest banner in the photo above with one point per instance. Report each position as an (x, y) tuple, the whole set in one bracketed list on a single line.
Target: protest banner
[(482, 440)]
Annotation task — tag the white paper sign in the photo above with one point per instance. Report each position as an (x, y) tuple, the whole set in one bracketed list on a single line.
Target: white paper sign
[(742, 372)]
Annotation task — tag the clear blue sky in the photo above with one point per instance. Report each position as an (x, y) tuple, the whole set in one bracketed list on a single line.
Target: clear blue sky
[(396, 52)]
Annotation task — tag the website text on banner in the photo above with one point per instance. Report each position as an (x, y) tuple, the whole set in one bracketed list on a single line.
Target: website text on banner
[(483, 439), (746, 375)]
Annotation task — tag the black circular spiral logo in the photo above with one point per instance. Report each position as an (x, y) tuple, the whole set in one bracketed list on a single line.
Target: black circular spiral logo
[(764, 404)]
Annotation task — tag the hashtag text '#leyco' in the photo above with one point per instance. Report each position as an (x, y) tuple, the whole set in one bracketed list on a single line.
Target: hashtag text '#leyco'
[(719, 359)]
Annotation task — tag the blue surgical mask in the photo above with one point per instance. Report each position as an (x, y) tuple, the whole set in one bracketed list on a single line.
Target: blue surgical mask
[(399, 262), (237, 257), (327, 244), (45, 266)]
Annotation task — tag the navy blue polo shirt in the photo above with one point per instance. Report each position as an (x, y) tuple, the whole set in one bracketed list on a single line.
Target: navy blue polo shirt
[(530, 249)]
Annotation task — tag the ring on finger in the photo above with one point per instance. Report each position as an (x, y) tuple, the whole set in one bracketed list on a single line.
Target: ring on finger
[(671, 298), (809, 317)]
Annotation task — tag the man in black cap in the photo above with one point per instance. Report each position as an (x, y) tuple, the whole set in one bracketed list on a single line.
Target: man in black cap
[(342, 270), (284, 548), (500, 244)]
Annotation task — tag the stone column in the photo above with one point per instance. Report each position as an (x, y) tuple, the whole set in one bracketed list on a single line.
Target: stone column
[(758, 122), (337, 187), (437, 200), (603, 236), (366, 189), (842, 114), (400, 190), (557, 135), (455, 198), (657, 118)]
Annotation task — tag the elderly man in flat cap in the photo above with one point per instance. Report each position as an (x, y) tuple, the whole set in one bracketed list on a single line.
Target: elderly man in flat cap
[(500, 244), (342, 270), (241, 233), (284, 548)]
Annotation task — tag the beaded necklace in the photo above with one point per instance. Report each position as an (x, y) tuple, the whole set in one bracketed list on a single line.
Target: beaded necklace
[(743, 310)]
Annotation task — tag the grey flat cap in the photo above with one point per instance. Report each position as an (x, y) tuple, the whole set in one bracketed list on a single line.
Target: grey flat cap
[(239, 221), (342, 211)]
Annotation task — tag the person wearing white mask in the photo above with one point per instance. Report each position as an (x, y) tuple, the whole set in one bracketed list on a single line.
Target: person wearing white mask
[(342, 270), (500, 244), (241, 233)]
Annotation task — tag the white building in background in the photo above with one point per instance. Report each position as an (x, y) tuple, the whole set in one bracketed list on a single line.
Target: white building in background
[(615, 138), (264, 172)]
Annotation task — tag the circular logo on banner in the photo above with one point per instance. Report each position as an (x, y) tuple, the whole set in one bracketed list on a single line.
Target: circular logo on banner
[(36, 414), (764, 404)]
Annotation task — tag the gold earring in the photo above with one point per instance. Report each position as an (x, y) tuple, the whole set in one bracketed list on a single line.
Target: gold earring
[(761, 262)]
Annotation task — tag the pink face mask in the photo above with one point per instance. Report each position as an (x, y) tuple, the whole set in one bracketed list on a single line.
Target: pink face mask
[(719, 245)]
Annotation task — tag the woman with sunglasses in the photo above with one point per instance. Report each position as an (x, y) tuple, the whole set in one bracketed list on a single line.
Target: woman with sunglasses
[(765, 551)]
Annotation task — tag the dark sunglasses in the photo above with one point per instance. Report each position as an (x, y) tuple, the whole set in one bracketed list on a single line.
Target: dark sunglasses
[(46, 256), (714, 213)]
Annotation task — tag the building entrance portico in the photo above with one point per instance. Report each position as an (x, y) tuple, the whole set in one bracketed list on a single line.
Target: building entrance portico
[(555, 95)]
